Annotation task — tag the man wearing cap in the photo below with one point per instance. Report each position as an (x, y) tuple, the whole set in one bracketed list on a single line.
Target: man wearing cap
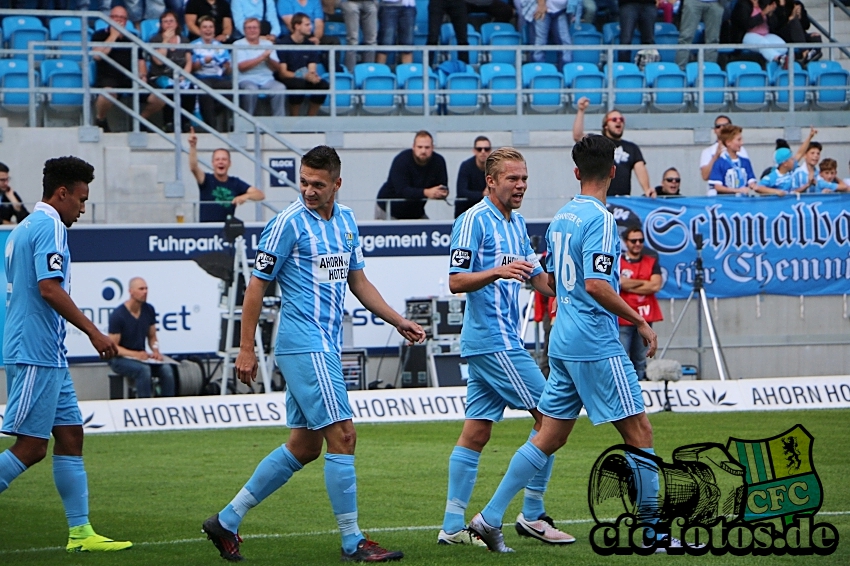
[(784, 177)]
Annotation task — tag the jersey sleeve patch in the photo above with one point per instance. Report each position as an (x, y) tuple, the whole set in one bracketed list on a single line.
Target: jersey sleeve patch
[(461, 258), (603, 263), (54, 261), (264, 263)]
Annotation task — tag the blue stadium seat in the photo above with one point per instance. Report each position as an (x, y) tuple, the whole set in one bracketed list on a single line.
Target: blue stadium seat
[(543, 76), (500, 76), (19, 31), (713, 77), (585, 34), (68, 29), (587, 81), (344, 101), (668, 55), (14, 74), (488, 29), (410, 77), (62, 73), (829, 74), (149, 28), (667, 76), (335, 29), (101, 24), (504, 38), (665, 28), (611, 33), (447, 37), (748, 74), (375, 76), (463, 102), (422, 14), (627, 76), (420, 37), (780, 77)]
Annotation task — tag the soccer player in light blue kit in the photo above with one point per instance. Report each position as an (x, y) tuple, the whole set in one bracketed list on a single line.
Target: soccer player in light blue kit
[(491, 257), (312, 249), (41, 397), (588, 364)]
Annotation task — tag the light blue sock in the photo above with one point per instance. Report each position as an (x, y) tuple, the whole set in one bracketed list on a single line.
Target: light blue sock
[(71, 481), (532, 505), (274, 471), (463, 471), (10, 468), (527, 461), (341, 483), (647, 488)]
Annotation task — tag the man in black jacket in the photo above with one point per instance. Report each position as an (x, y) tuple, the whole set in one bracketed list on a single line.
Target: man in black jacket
[(471, 180), (416, 175)]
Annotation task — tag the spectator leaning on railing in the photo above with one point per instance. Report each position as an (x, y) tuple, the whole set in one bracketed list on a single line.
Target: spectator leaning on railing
[(670, 185), (11, 203), (471, 180), (829, 174), (809, 157), (711, 153), (257, 68), (218, 10), (732, 173)]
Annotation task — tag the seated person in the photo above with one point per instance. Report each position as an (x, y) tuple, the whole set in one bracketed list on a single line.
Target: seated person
[(11, 204), (416, 175), (298, 68), (671, 182), (750, 22), (161, 76), (790, 22), (218, 10), (257, 68), (211, 64), (471, 181), (732, 173), (263, 10), (829, 174), (129, 325)]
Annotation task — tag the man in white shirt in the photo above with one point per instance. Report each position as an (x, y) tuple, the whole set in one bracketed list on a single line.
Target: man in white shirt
[(712, 152), (257, 68)]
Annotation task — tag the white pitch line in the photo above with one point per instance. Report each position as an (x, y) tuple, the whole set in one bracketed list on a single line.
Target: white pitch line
[(314, 534)]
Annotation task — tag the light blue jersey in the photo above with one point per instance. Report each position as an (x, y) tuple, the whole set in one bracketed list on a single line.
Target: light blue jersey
[(310, 258), (482, 239), (583, 244), (37, 249), (788, 182), (820, 185)]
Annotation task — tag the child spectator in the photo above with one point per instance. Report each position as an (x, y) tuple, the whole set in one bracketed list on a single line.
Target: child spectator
[(732, 173), (785, 177), (829, 176)]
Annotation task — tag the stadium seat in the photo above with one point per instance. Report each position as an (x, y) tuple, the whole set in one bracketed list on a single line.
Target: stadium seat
[(62, 73), (14, 73), (447, 37), (68, 29), (543, 76), (504, 38), (713, 77), (344, 101), (662, 28), (463, 102), (409, 77), (667, 76), (149, 28), (611, 33), (627, 76), (586, 35), (748, 74), (335, 29), (375, 76), (780, 77), (829, 74), (420, 37), (101, 24), (587, 81), (499, 76), (488, 29), (19, 31), (668, 55)]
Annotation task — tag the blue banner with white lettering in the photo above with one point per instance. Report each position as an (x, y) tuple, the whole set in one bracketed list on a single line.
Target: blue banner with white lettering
[(774, 245)]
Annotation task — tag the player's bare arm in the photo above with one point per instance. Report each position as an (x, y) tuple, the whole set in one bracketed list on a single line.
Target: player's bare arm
[(473, 281), (370, 298), (540, 282), (59, 300), (252, 305), (604, 294)]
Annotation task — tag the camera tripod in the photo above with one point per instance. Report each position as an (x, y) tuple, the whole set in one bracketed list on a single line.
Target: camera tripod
[(702, 311)]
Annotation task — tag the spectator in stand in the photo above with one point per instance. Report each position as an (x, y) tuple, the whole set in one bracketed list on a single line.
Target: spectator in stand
[(257, 68), (750, 25), (457, 13), (640, 14), (497, 9), (471, 180), (829, 174), (298, 68), (712, 152), (397, 20), (138, 10), (784, 177), (640, 279), (710, 13), (360, 16), (808, 168), (264, 10), (671, 182), (732, 173), (108, 76), (11, 203), (218, 10), (416, 175), (161, 76), (313, 8), (552, 22), (627, 156), (790, 22), (211, 64)]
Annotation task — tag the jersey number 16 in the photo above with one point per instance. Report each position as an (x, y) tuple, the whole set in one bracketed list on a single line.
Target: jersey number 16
[(565, 267)]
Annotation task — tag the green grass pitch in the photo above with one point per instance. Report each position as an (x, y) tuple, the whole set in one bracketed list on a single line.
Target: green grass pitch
[(156, 488)]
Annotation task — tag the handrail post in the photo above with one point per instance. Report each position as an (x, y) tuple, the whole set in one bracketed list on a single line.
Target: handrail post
[(134, 53), (426, 83), (178, 132), (610, 78), (332, 77), (519, 85), (701, 80), (33, 95), (84, 46), (792, 87)]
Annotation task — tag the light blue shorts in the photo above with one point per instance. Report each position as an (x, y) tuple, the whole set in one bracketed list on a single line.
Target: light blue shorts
[(315, 390), (40, 398), (509, 378), (608, 390)]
